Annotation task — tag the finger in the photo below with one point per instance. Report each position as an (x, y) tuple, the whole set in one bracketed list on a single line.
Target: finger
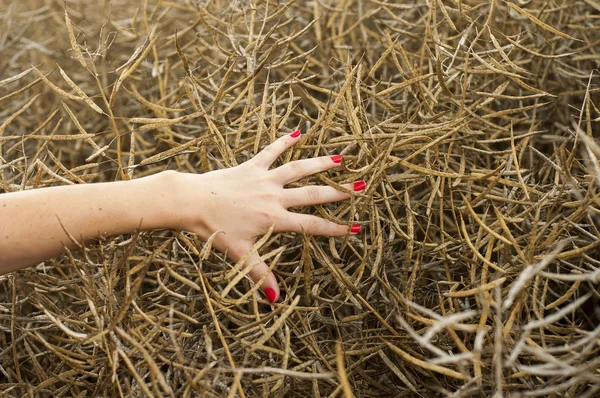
[(267, 156), (312, 225), (260, 271), (316, 195), (298, 169)]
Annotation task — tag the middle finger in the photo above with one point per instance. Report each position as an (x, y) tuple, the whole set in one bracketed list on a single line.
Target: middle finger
[(315, 195), (293, 171)]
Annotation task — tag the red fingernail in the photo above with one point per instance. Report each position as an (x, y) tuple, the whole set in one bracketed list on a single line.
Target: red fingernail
[(336, 159), (295, 134), (271, 295), (355, 229), (359, 186)]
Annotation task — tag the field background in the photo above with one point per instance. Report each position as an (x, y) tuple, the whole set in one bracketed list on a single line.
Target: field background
[(473, 123)]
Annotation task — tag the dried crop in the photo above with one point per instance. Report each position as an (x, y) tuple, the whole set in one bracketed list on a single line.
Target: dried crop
[(474, 124)]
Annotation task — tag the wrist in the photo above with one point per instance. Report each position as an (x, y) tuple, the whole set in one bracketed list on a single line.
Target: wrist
[(165, 189), (177, 199)]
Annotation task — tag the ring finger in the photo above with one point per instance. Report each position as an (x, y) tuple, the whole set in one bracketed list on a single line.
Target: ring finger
[(313, 225)]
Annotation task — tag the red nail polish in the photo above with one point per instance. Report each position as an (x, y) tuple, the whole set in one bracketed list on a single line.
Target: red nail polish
[(355, 229), (271, 295), (337, 159), (295, 134), (359, 186)]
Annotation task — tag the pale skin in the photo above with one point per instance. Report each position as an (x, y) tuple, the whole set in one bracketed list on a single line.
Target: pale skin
[(241, 203)]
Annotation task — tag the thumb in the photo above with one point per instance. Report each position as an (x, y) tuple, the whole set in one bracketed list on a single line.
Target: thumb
[(260, 272)]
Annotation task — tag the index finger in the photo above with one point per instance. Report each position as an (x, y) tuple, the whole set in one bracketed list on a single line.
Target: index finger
[(267, 156)]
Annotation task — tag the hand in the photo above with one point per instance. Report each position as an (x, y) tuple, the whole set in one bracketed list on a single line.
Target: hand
[(245, 201)]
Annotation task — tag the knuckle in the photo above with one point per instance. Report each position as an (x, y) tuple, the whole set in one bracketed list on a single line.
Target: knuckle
[(255, 273), (313, 193), (312, 226), (275, 218), (274, 197), (264, 216), (251, 167), (268, 196), (296, 167), (266, 219)]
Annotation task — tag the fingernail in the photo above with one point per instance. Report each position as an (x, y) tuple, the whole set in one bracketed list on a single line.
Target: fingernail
[(355, 229), (295, 134), (337, 159), (359, 186), (271, 295)]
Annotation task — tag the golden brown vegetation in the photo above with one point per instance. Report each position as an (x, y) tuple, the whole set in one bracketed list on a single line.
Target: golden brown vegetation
[(472, 122)]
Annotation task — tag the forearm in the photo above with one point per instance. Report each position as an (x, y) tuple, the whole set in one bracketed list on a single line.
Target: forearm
[(30, 221)]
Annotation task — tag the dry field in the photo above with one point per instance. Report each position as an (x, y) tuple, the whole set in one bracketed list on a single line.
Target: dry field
[(474, 124)]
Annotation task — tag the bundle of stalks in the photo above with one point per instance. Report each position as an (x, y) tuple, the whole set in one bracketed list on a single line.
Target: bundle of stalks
[(472, 122)]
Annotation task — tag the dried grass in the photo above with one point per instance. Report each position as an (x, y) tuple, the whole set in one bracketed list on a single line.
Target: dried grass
[(472, 122)]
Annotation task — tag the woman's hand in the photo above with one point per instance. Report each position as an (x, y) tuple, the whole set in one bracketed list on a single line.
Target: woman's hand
[(243, 202)]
